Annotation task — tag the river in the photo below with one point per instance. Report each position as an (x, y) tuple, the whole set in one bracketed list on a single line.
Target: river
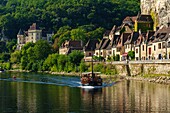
[(43, 93)]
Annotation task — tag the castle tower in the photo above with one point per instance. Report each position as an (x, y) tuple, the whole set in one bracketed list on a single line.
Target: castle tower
[(20, 39)]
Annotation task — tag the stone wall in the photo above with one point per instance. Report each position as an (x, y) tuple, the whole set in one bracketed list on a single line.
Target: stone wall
[(141, 69)]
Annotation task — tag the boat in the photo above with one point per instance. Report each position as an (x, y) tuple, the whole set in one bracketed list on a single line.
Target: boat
[(91, 78)]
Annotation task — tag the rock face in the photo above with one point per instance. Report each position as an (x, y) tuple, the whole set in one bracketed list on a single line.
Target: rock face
[(160, 9)]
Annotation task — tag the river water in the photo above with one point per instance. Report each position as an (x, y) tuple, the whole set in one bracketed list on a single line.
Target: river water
[(42, 93)]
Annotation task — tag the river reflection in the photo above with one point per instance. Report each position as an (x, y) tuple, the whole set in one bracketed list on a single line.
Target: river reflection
[(123, 97)]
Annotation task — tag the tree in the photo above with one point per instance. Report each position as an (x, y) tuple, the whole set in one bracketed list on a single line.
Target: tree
[(131, 54), (15, 57), (42, 49), (78, 34), (117, 57), (75, 57)]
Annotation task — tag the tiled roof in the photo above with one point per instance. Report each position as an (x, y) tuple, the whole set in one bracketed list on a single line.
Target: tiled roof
[(102, 44), (107, 32), (75, 44), (123, 39), (146, 18), (20, 32), (91, 45), (141, 38), (34, 27), (132, 38), (162, 34), (113, 42), (130, 19), (105, 44)]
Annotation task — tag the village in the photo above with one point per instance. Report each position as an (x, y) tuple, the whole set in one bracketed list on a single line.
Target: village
[(135, 34)]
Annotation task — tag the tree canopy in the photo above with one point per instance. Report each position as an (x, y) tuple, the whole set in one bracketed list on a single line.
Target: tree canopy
[(54, 14)]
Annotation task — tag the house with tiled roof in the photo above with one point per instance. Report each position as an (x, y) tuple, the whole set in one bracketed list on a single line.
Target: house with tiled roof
[(89, 49), (120, 45), (143, 23), (138, 43), (129, 44), (101, 48), (111, 48), (130, 20), (144, 45), (68, 46), (160, 44)]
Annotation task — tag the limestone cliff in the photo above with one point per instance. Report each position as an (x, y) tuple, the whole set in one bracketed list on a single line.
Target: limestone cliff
[(159, 10)]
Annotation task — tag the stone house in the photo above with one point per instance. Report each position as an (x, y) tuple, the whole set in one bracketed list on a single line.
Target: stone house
[(160, 44), (120, 45), (143, 23), (138, 43), (100, 50), (68, 46), (89, 49), (129, 44)]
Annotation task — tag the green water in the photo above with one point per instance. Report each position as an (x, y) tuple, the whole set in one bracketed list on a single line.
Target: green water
[(37, 93)]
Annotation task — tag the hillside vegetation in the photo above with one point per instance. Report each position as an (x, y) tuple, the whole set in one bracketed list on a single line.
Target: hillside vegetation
[(90, 17)]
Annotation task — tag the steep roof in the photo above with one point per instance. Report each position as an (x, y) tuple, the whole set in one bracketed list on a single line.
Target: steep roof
[(162, 34), (132, 38), (144, 18), (34, 26), (91, 45), (103, 44), (141, 38), (113, 42), (107, 32), (123, 39), (20, 32)]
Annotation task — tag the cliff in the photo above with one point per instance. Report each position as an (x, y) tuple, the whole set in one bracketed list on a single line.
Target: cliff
[(159, 9)]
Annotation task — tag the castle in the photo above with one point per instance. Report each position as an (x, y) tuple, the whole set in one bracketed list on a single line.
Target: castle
[(33, 34)]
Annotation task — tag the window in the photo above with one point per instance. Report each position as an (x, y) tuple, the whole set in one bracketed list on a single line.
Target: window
[(110, 52), (168, 44), (89, 54), (159, 46), (163, 45), (143, 48), (113, 51), (101, 53), (136, 50), (97, 53), (149, 51), (154, 48)]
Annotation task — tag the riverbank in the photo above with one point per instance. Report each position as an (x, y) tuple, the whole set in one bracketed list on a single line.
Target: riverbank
[(159, 80)]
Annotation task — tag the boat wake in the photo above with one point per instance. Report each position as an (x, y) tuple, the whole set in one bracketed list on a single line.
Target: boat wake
[(53, 80)]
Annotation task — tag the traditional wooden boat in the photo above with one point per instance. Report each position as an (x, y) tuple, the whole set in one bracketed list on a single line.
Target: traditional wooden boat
[(91, 78)]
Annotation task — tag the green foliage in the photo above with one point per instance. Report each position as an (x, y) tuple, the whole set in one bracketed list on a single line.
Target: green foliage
[(11, 46), (53, 14), (75, 57), (42, 49), (4, 57), (117, 57), (131, 54), (2, 47), (83, 67)]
